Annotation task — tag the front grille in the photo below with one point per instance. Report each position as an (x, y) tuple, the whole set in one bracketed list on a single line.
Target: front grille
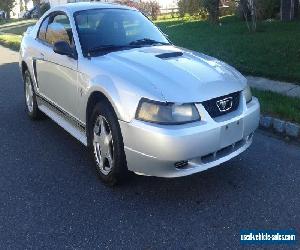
[(212, 108)]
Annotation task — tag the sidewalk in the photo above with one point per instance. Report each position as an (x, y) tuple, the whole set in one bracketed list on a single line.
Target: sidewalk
[(284, 88)]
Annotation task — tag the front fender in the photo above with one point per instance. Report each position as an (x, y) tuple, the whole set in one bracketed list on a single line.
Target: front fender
[(123, 99), (122, 86)]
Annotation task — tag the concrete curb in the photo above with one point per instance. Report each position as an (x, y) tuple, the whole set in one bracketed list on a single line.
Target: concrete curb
[(284, 88), (281, 127)]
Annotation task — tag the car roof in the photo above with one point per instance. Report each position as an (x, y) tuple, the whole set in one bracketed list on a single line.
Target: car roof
[(74, 7)]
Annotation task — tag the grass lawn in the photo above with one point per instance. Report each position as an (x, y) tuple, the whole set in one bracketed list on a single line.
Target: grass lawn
[(8, 21), (11, 32), (11, 41), (16, 28), (273, 51), (278, 105)]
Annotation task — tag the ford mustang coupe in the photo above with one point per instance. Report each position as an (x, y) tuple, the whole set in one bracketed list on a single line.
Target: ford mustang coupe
[(113, 80)]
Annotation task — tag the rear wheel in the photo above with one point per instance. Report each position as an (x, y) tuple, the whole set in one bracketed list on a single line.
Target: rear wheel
[(107, 145), (30, 98)]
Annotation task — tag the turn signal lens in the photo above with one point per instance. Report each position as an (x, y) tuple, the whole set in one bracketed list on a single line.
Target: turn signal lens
[(247, 94)]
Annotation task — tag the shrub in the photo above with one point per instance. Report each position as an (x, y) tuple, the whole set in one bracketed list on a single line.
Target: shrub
[(267, 8), (230, 9), (150, 8), (193, 7), (201, 8)]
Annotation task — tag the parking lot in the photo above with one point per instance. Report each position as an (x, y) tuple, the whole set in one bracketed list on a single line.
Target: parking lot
[(50, 195)]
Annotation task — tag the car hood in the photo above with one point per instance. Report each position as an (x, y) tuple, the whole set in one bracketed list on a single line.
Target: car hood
[(179, 75)]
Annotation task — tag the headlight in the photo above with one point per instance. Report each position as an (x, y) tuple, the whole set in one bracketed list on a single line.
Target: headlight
[(247, 94), (167, 113)]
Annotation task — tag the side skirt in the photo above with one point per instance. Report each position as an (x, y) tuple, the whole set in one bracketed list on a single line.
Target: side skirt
[(68, 123)]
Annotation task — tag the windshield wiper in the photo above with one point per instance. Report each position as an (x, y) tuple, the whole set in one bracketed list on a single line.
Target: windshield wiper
[(147, 41), (104, 49), (107, 48)]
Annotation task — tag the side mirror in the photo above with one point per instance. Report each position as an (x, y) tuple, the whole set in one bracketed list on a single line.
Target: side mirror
[(63, 48)]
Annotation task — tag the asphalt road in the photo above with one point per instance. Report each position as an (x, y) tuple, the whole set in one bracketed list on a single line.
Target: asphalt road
[(51, 198)]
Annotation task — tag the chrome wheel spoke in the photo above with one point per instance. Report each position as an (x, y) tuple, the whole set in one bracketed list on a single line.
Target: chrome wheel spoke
[(97, 138), (97, 129), (103, 128), (109, 137), (99, 156), (28, 94), (109, 158)]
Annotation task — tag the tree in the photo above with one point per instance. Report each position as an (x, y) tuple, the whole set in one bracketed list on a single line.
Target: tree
[(267, 9), (182, 8), (289, 9), (249, 11), (213, 9), (297, 3), (21, 6), (37, 3), (7, 6), (25, 4)]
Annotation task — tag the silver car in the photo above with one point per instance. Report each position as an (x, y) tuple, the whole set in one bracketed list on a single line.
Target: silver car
[(113, 80)]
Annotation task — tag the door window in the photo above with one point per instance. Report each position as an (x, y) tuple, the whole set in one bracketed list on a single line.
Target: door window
[(56, 28), (59, 29), (43, 30)]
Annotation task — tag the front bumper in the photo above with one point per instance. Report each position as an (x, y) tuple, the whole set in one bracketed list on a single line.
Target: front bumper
[(180, 150)]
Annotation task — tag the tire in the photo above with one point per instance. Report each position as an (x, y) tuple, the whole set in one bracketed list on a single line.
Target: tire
[(31, 106), (107, 145)]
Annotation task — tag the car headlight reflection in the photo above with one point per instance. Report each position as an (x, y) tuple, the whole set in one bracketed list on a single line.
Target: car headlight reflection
[(167, 113)]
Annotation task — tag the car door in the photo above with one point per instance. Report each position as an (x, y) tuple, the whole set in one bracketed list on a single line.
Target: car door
[(57, 74)]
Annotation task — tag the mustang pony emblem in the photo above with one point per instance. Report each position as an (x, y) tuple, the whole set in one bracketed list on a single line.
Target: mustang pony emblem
[(224, 104)]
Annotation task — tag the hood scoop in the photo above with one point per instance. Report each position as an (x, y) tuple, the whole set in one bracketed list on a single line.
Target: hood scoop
[(169, 55)]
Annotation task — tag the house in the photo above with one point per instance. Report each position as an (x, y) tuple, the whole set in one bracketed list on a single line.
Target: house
[(168, 4), (20, 7)]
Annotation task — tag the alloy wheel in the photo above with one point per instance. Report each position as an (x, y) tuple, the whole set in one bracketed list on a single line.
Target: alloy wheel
[(103, 145)]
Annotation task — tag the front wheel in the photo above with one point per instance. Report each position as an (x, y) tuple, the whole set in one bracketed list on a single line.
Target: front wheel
[(107, 145), (30, 98)]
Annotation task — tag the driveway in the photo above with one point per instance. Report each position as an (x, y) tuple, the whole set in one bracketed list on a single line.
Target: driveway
[(51, 198)]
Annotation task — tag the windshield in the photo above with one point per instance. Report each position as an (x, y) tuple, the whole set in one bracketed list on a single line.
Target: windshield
[(104, 29)]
